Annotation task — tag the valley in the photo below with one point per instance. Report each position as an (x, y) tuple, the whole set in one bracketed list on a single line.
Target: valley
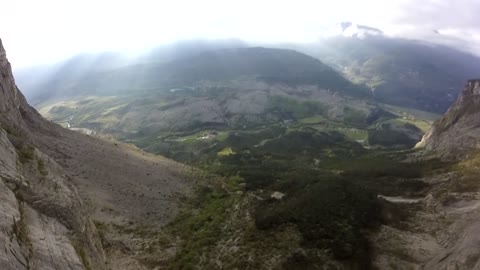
[(204, 116), (326, 155), (229, 156)]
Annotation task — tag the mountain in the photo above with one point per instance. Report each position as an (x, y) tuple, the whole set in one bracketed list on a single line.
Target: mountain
[(457, 133), (270, 65), (58, 187), (185, 48), (35, 80), (401, 72), (275, 65), (78, 67), (226, 91)]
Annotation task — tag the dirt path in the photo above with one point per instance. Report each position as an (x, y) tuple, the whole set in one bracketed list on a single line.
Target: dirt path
[(400, 199)]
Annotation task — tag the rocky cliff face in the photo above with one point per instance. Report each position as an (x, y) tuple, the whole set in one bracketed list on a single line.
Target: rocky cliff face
[(43, 222), (47, 176), (444, 231), (458, 131)]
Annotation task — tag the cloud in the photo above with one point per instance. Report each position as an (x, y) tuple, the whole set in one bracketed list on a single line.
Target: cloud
[(451, 23), (440, 13), (43, 31)]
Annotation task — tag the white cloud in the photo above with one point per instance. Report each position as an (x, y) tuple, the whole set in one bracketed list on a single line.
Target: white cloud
[(42, 31)]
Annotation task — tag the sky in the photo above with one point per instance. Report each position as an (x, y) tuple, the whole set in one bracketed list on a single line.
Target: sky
[(37, 32)]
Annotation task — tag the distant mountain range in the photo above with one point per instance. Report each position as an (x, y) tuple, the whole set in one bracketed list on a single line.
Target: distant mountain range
[(400, 72), (86, 75)]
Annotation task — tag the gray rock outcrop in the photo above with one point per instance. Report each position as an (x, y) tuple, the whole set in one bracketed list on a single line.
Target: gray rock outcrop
[(457, 133), (43, 222)]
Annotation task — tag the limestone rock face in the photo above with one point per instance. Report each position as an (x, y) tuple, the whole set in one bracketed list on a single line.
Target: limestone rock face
[(458, 132), (43, 222), (54, 182)]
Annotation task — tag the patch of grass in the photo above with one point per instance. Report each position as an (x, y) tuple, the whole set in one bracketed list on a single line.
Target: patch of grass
[(11, 130), (42, 169), (21, 232), (313, 120), (82, 255), (467, 183), (226, 152), (423, 125), (469, 178), (354, 117), (102, 229), (200, 226), (294, 108), (388, 137), (26, 153), (469, 166), (354, 134), (309, 142)]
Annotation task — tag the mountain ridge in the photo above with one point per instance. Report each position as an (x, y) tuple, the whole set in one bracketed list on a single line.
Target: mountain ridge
[(401, 72), (266, 64)]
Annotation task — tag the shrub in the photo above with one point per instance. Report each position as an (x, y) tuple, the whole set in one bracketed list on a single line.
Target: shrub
[(26, 153), (41, 168)]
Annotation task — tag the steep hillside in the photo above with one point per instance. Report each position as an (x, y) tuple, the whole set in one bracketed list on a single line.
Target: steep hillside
[(44, 224), (57, 183), (457, 133)]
